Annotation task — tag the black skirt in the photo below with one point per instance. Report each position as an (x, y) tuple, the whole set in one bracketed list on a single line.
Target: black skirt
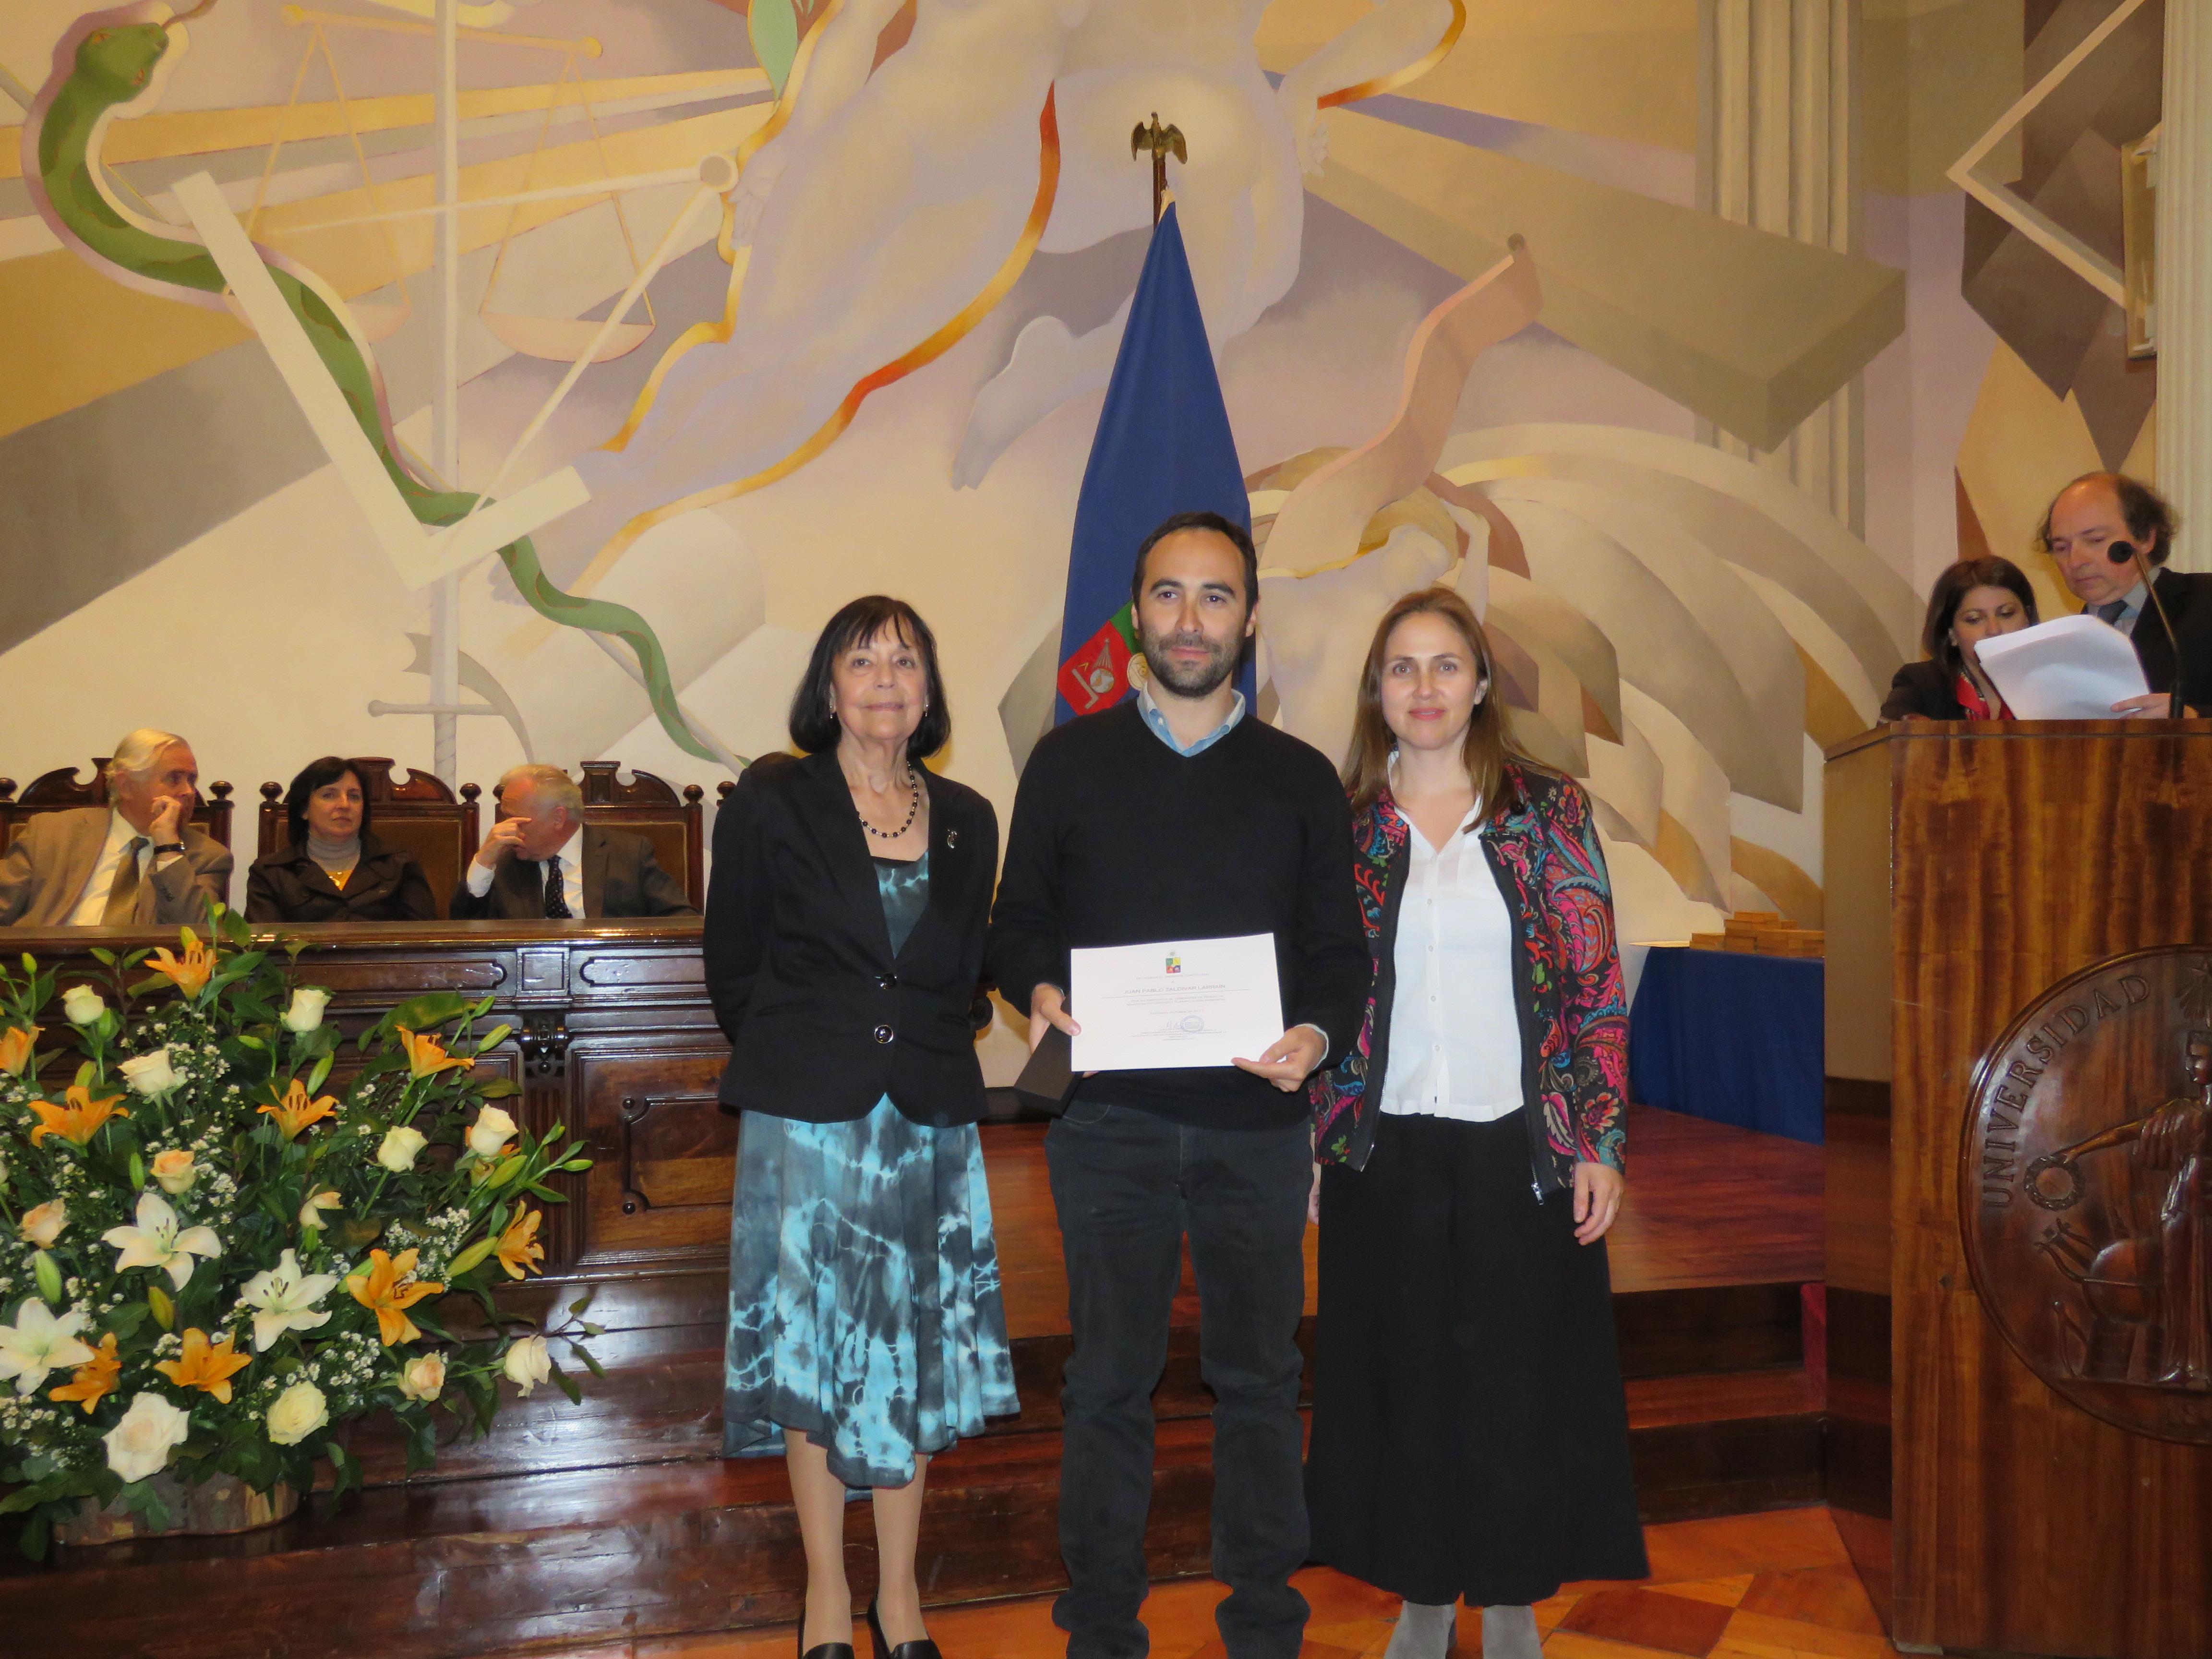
[(1470, 1434)]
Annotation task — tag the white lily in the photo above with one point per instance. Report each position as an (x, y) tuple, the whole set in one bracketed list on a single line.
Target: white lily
[(284, 1299), (160, 1241), (38, 1342)]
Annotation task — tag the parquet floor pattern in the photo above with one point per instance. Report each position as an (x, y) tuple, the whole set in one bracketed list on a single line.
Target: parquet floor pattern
[(1773, 1586)]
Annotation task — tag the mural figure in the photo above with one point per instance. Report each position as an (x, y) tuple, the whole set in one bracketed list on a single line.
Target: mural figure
[(892, 194), (109, 59)]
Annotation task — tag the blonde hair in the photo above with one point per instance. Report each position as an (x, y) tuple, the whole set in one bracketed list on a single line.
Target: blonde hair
[(549, 784), (137, 756), (1489, 741)]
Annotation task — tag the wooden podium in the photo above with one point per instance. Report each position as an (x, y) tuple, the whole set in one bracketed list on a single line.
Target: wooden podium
[(2020, 1251)]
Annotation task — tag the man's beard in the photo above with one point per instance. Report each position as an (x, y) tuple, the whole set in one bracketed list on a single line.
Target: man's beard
[(1190, 679)]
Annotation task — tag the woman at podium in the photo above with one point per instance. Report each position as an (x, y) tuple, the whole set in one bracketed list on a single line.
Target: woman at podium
[(1470, 1433), (1974, 601)]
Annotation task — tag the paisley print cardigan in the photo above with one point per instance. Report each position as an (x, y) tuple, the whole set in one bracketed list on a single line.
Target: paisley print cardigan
[(1542, 846)]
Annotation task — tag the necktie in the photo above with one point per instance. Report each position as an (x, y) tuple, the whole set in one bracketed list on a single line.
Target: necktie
[(2113, 611), (122, 892), (556, 897)]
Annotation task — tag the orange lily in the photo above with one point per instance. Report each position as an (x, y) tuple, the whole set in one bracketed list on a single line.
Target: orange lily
[(296, 1111), (518, 1248), (79, 1121), (205, 1365), (387, 1290), (426, 1055), (92, 1381), (15, 1047), (192, 975)]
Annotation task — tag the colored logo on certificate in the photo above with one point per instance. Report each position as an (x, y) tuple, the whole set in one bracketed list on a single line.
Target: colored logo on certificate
[(1175, 963)]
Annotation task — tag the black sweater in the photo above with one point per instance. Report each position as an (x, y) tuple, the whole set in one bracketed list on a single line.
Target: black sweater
[(1118, 840)]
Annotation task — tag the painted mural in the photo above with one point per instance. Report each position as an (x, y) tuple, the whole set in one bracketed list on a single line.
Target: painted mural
[(1689, 363)]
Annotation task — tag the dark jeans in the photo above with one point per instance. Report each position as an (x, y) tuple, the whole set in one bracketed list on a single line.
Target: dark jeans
[(1128, 1187)]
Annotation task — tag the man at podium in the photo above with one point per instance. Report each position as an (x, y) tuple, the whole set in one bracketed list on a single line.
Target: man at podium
[(2110, 535)]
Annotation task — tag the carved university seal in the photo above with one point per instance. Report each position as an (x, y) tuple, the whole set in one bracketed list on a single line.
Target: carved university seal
[(2085, 1189)]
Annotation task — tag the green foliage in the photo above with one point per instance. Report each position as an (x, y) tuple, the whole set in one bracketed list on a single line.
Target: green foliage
[(372, 1213)]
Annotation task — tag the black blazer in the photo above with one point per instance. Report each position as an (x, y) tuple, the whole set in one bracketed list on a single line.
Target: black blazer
[(1923, 689), (622, 877), (386, 886), (2188, 599), (824, 1021)]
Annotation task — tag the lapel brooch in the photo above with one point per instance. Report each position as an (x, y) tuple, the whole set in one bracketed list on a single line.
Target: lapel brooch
[(951, 838)]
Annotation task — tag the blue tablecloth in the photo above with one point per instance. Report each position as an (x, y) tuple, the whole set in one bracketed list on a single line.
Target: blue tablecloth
[(1730, 1036)]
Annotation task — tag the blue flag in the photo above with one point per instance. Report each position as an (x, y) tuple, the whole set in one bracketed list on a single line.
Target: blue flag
[(1162, 448)]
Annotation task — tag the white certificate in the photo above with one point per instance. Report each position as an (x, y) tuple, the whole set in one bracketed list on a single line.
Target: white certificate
[(1182, 1002), (2073, 669)]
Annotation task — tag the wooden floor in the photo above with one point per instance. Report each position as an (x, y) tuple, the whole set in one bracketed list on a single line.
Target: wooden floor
[(1774, 1586), (1708, 1205)]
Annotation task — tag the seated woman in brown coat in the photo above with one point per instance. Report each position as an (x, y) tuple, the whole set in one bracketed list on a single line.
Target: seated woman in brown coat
[(335, 870)]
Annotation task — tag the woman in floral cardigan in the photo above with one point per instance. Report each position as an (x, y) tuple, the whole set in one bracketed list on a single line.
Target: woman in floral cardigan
[(1470, 1436)]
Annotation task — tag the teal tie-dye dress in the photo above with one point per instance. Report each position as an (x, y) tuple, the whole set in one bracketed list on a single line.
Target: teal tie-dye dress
[(865, 1308)]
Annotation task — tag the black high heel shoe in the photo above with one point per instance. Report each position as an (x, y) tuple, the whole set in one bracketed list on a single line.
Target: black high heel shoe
[(829, 1649), (924, 1649)]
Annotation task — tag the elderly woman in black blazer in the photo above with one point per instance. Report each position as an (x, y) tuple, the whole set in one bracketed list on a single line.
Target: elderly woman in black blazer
[(844, 945), (1973, 600), (335, 870)]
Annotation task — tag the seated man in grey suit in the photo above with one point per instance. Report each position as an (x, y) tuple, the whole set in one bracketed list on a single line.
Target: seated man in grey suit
[(136, 862), (541, 860)]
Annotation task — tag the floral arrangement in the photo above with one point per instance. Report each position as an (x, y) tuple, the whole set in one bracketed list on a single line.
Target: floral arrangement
[(208, 1264)]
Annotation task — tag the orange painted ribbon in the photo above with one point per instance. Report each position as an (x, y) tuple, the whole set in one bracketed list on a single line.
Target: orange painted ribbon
[(719, 332), (897, 369), (1412, 72)]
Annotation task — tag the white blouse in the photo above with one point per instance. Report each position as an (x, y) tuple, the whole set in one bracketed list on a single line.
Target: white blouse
[(1454, 1036)]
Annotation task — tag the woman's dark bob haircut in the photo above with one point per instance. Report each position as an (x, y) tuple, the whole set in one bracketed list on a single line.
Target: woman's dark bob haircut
[(1952, 587), (814, 725), (316, 774)]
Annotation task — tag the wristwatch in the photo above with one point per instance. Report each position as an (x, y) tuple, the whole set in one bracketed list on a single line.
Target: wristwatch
[(170, 847)]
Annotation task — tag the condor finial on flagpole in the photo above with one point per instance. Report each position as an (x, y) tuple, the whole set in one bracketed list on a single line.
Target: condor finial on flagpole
[(1161, 141)]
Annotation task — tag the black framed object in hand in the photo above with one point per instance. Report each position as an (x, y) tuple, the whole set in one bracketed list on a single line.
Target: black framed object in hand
[(1048, 1080)]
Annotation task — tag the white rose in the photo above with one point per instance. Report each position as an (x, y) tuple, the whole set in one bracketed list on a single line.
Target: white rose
[(298, 1412), (42, 1224), (174, 1170), (491, 1133), (150, 1075), (82, 1006), (305, 1013), (141, 1443), (529, 1363), (400, 1146), (423, 1379)]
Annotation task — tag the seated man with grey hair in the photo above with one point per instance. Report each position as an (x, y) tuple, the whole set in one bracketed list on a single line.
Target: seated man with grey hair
[(136, 862), (542, 860)]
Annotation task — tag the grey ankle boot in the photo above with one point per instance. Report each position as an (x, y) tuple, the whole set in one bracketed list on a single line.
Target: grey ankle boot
[(1423, 1632), (1511, 1633)]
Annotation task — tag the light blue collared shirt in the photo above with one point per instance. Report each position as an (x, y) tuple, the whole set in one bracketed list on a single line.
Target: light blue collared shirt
[(1158, 722), (2136, 597)]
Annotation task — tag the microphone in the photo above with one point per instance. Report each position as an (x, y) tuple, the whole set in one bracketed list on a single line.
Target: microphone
[(2129, 553)]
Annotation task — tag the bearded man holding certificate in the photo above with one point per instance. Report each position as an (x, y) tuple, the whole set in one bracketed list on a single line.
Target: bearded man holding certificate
[(1153, 845)]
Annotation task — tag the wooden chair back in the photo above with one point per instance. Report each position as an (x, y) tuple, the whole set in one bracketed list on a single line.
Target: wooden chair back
[(649, 806), (58, 791), (418, 814)]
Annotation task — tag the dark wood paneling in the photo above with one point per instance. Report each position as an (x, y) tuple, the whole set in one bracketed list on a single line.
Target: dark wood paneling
[(2013, 856)]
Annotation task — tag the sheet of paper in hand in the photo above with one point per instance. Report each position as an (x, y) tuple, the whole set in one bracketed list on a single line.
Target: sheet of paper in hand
[(2073, 669), (1179, 1003)]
